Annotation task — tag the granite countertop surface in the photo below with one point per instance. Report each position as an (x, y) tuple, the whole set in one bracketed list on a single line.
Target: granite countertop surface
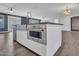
[(46, 23)]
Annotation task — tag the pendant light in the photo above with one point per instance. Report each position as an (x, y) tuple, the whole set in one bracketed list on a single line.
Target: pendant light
[(11, 10), (67, 11), (29, 14)]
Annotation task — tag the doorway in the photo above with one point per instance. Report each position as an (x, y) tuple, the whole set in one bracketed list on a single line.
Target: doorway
[(75, 23)]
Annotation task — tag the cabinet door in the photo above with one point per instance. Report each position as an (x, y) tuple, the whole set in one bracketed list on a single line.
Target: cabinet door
[(1, 22), (33, 21), (18, 21), (24, 20), (12, 20), (21, 37)]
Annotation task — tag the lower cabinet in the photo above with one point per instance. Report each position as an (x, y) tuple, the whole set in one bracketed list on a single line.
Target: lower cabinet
[(32, 45), (53, 37)]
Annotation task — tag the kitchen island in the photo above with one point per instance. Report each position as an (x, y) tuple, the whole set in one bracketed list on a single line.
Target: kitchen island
[(47, 41)]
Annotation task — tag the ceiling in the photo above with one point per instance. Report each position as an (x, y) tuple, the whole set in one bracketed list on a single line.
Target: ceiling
[(39, 10)]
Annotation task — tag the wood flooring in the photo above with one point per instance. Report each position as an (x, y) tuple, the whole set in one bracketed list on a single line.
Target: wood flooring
[(8, 47)]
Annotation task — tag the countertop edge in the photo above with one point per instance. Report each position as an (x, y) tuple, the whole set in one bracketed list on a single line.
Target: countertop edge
[(4, 32), (46, 23)]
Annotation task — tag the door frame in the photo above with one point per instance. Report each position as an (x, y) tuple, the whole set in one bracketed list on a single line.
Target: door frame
[(71, 23)]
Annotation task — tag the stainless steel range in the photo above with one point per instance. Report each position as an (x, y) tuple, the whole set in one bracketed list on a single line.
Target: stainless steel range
[(37, 33)]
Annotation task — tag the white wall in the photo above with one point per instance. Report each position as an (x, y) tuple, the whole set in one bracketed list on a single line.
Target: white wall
[(66, 20)]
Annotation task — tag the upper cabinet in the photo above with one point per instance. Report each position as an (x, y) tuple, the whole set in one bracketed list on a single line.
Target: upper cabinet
[(33, 20), (12, 20), (24, 20), (1, 22), (7, 21)]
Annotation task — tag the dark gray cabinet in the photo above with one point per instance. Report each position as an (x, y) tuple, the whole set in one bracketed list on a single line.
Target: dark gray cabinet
[(7, 21), (24, 20), (34, 20)]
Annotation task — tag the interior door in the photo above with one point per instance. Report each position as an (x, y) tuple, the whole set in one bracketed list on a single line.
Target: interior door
[(75, 23)]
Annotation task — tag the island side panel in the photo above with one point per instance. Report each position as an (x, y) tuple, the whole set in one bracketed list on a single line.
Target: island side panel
[(54, 38)]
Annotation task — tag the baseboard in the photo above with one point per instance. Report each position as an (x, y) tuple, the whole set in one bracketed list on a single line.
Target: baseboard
[(59, 50), (28, 49), (56, 54)]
